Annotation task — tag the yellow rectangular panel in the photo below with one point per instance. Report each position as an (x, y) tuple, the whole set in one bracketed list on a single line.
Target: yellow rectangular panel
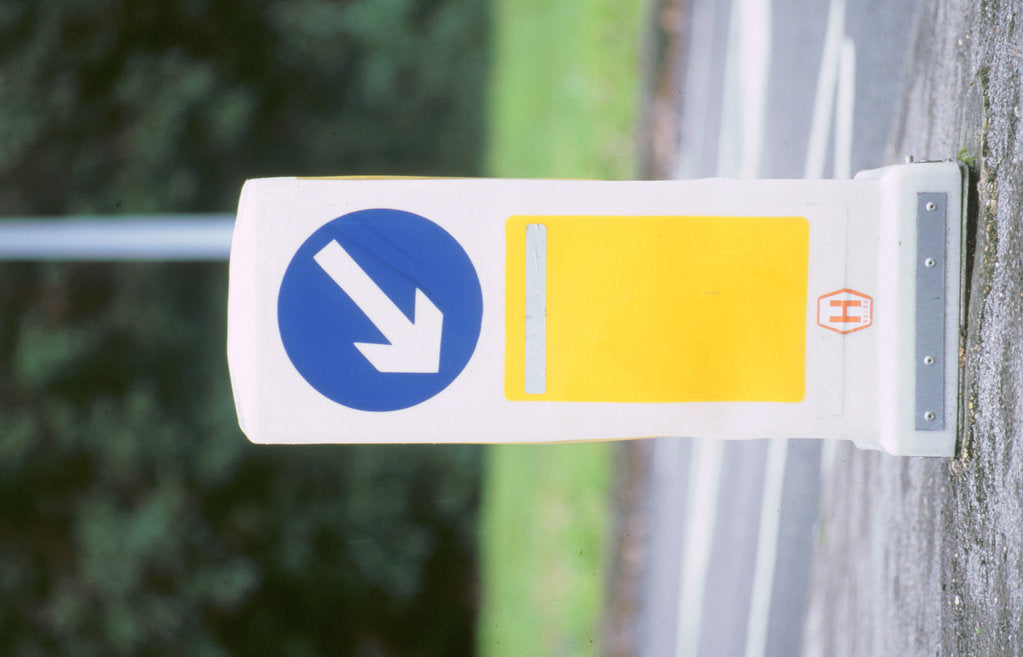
[(661, 309)]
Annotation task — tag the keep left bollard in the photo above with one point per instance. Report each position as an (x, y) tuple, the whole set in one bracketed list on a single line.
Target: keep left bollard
[(481, 310)]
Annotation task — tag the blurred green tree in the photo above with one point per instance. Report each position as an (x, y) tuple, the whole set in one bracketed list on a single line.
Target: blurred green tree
[(135, 519), (117, 104)]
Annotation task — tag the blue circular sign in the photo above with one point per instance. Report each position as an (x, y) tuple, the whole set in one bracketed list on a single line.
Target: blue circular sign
[(380, 309)]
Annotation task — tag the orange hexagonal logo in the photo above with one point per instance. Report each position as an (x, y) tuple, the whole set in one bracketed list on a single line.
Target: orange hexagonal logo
[(845, 311)]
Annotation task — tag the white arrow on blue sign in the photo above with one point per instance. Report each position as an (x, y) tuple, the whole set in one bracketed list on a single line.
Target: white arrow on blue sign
[(413, 345), (380, 309)]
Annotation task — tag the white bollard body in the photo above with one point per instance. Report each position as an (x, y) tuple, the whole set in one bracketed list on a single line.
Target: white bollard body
[(479, 310)]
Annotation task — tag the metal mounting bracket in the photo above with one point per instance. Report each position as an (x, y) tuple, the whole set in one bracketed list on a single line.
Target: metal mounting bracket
[(931, 219)]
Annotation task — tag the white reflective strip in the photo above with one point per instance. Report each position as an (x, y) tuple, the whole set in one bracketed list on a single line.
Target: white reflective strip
[(536, 309)]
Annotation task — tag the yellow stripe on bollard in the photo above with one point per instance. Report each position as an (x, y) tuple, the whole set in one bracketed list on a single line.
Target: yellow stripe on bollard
[(660, 309)]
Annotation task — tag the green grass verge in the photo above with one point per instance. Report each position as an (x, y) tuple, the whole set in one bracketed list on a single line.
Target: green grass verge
[(565, 88), (563, 104), (545, 523)]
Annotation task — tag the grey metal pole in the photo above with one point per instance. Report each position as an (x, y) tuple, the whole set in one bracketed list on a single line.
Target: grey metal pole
[(117, 237)]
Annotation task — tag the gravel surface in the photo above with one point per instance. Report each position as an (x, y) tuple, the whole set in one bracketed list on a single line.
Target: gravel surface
[(925, 556)]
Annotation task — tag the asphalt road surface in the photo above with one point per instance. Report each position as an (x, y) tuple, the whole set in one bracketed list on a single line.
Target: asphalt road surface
[(790, 547), (925, 556)]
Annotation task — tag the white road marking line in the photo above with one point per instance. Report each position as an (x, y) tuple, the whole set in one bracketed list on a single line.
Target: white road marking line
[(701, 514), (844, 117), (845, 106), (767, 548), (823, 103), (756, 67), (747, 68), (829, 451), (739, 149), (697, 97)]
